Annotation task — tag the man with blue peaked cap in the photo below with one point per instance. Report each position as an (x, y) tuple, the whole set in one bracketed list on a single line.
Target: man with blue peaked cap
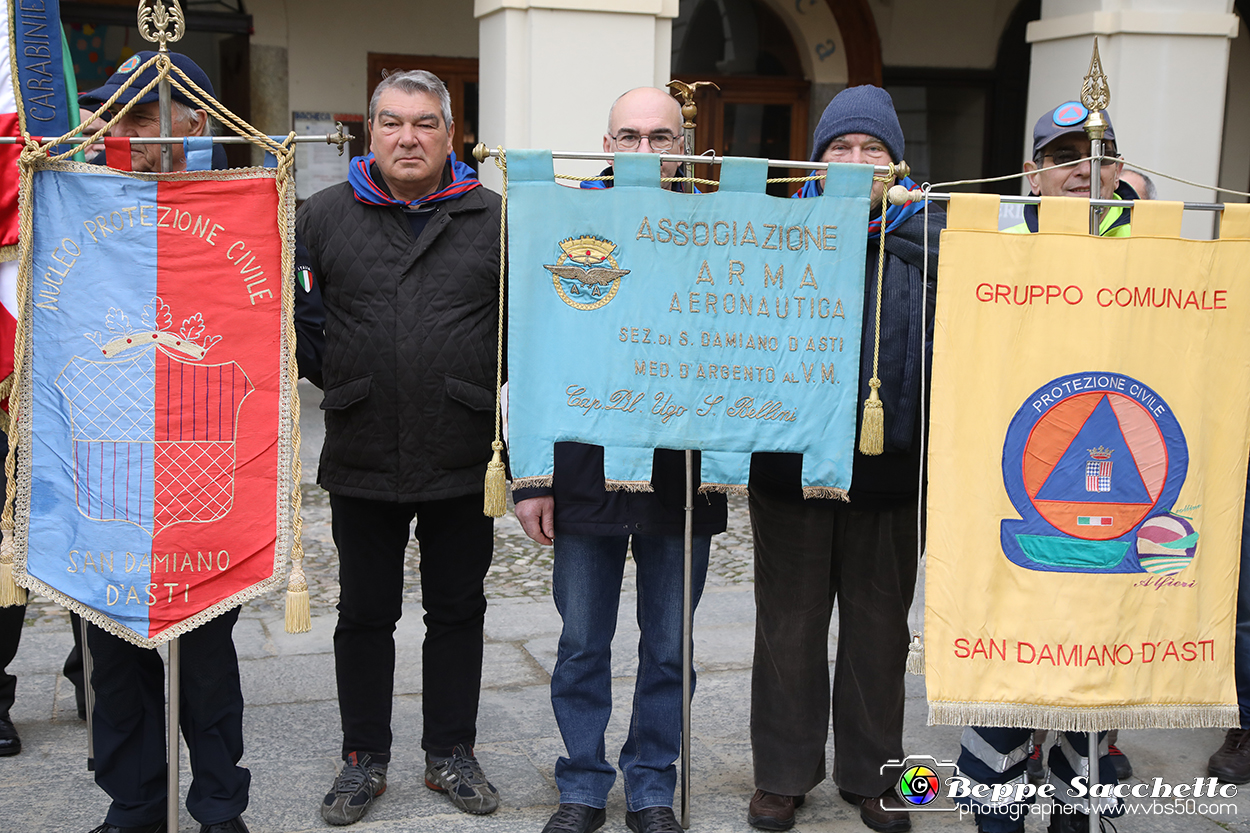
[(999, 756), (128, 721), (862, 552)]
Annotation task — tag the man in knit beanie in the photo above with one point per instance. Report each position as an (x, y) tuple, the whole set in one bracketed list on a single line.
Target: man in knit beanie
[(862, 552)]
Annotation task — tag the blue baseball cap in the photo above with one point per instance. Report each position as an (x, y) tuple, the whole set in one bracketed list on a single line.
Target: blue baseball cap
[(103, 93), (1069, 117)]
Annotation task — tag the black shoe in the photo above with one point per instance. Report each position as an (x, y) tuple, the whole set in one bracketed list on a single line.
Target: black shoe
[(461, 778), (1036, 766), (576, 818), (653, 820), (10, 743), (1123, 768), (357, 784), (1061, 822), (1231, 762), (154, 827), (235, 825)]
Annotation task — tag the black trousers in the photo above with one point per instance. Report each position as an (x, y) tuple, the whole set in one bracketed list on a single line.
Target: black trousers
[(807, 553), (11, 619), (456, 542), (129, 725)]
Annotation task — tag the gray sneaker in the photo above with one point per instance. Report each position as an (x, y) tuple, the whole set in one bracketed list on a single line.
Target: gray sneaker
[(357, 784), (461, 777)]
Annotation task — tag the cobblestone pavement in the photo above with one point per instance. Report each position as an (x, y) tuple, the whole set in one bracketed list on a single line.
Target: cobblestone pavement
[(521, 567)]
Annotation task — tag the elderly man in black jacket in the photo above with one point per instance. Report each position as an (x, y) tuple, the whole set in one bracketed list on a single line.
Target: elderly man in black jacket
[(863, 553), (592, 530), (406, 255)]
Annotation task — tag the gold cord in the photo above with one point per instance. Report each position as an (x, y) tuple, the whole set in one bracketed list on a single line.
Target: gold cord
[(495, 501), (872, 430)]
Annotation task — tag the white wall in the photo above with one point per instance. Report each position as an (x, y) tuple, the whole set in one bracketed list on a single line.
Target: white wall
[(328, 42), (1165, 60), (548, 76)]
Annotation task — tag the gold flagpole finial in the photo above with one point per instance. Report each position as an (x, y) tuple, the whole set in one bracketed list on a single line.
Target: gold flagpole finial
[(689, 110), (1095, 96), (161, 24)]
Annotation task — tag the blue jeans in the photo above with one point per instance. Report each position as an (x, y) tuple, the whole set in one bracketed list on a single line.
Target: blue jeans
[(1241, 649), (586, 585)]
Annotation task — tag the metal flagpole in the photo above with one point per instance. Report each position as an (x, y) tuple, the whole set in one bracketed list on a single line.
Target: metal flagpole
[(172, 756), (87, 666), (1095, 96), (688, 111), (163, 25)]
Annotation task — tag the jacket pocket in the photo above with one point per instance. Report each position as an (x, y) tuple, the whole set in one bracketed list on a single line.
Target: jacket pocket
[(345, 394), (468, 424), (470, 394)]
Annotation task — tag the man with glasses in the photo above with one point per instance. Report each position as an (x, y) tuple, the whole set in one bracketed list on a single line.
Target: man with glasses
[(1059, 141), (997, 755), (592, 529)]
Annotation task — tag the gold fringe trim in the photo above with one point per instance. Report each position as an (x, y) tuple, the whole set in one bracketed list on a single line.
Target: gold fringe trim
[(8, 252), (495, 501), (1084, 719), (827, 492), (915, 654), (628, 486), (541, 482), (724, 488)]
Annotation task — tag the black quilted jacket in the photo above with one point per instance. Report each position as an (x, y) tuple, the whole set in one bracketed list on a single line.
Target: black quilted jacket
[(410, 343)]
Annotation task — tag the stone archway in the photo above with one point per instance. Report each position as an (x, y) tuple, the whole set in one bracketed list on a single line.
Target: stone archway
[(860, 39)]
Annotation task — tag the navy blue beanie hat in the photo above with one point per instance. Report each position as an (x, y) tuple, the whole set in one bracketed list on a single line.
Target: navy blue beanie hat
[(865, 109)]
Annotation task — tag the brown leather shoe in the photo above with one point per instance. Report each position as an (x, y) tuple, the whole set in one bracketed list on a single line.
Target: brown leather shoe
[(1231, 762), (769, 811), (884, 813)]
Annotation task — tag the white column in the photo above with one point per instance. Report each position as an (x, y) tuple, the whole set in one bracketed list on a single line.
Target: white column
[(550, 69), (1166, 63)]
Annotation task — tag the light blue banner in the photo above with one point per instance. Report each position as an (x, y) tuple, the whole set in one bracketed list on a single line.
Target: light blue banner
[(728, 322)]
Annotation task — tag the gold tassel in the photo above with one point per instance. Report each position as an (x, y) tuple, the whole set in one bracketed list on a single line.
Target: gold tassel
[(298, 618), (496, 484), (915, 655), (872, 431), (10, 593)]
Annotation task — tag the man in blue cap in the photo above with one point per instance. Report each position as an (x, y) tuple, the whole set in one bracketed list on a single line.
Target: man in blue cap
[(1001, 756), (128, 721), (863, 553)]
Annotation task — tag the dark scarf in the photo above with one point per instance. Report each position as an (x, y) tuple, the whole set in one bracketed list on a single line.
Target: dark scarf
[(371, 191)]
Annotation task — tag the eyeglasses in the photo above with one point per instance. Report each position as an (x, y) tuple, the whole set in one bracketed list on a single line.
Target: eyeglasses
[(629, 140), (1066, 156)]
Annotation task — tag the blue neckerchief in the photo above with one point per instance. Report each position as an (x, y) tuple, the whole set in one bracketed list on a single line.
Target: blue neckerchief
[(463, 179), (895, 215)]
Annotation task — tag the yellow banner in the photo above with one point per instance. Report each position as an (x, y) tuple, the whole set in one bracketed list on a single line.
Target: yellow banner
[(1087, 470)]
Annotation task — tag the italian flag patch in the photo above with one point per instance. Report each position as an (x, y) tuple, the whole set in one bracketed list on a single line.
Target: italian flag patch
[(304, 275)]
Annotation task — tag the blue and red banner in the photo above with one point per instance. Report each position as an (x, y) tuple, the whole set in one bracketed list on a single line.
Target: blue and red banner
[(151, 413)]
